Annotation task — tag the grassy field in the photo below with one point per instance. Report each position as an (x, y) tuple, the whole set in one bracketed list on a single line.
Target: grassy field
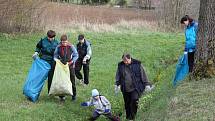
[(193, 101), (157, 51)]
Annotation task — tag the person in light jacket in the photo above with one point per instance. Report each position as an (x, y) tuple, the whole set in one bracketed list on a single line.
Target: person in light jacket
[(101, 104)]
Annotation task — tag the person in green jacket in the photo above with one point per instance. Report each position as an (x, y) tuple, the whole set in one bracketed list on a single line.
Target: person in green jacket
[(45, 50)]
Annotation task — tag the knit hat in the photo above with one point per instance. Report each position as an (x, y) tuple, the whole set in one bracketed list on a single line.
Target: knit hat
[(95, 92)]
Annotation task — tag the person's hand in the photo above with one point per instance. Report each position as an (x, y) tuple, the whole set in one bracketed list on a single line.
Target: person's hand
[(70, 62), (55, 59), (116, 89), (35, 55), (84, 61), (149, 88), (185, 52), (84, 104), (107, 110)]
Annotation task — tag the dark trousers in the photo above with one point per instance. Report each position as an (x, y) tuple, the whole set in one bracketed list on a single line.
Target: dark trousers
[(72, 79), (78, 66), (131, 104), (50, 74), (96, 115), (191, 60)]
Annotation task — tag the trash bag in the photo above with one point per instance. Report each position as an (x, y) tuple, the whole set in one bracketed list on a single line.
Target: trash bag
[(61, 84), (182, 69), (36, 79)]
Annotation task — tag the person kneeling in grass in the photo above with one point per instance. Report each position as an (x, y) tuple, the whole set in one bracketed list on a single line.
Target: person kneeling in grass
[(102, 106)]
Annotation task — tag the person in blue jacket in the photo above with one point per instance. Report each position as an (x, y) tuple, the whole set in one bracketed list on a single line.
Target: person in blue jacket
[(45, 50), (67, 53), (190, 39)]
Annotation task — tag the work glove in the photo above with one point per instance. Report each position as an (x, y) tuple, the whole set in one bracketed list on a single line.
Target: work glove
[(149, 88), (35, 55), (107, 110), (84, 61), (55, 59), (116, 89), (185, 52), (84, 104)]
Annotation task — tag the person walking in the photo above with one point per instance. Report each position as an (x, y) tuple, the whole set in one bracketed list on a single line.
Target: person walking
[(45, 50), (85, 53), (132, 80)]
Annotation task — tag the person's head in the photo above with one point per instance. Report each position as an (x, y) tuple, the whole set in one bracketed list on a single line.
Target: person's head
[(64, 40), (81, 38), (186, 20), (95, 94), (126, 58), (51, 35)]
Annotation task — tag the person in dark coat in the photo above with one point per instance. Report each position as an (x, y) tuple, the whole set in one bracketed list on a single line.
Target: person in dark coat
[(132, 80), (84, 52), (45, 50)]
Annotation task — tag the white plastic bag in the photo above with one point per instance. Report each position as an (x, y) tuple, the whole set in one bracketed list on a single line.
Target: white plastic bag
[(61, 84)]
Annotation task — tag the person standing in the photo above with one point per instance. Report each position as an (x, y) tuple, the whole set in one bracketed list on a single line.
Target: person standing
[(84, 52), (45, 50), (132, 80), (190, 39), (67, 53)]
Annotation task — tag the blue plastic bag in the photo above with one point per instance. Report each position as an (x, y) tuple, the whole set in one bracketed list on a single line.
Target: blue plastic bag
[(182, 69), (36, 79)]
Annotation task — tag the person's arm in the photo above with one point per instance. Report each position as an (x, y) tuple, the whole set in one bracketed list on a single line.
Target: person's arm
[(144, 77), (118, 81), (88, 103), (37, 50), (74, 55), (39, 46), (105, 102), (196, 27), (117, 77), (56, 54), (89, 51)]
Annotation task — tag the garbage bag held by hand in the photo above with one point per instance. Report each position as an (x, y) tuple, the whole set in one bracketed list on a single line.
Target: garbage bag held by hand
[(61, 84), (36, 79), (182, 69)]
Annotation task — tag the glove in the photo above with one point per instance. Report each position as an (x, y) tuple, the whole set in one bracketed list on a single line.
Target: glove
[(35, 55), (107, 110), (84, 104), (148, 88), (185, 52), (84, 61), (116, 89)]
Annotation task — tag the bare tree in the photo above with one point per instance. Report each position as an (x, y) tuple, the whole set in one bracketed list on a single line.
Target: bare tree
[(169, 12), (205, 54)]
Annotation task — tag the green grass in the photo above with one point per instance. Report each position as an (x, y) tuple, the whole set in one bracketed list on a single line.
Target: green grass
[(193, 101), (157, 51)]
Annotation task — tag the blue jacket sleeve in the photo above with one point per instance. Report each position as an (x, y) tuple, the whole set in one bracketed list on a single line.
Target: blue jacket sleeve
[(74, 55)]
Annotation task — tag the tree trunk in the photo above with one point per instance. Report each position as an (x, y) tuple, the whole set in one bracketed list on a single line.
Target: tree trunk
[(205, 53)]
